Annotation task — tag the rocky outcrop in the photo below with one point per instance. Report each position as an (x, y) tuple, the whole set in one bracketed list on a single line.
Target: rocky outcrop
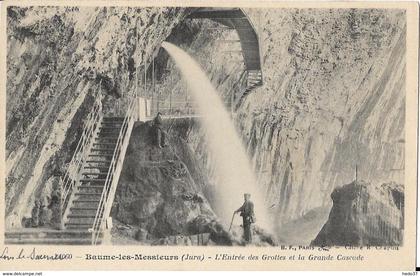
[(159, 202), (156, 191), (58, 60), (364, 215)]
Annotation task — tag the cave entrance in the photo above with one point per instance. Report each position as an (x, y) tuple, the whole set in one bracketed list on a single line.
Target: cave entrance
[(162, 88)]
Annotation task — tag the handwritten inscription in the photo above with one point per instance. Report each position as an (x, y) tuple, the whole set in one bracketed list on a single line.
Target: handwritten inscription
[(21, 254)]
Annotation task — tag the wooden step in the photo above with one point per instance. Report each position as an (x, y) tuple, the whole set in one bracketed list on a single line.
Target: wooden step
[(106, 138), (112, 122), (102, 138), (73, 225), (106, 150), (88, 194), (104, 144), (87, 208), (81, 216), (61, 241), (95, 173), (81, 220), (85, 204), (85, 180), (100, 155), (107, 119), (81, 195), (89, 184), (96, 168), (92, 183), (83, 211), (90, 189), (84, 187), (40, 233), (83, 200), (107, 133), (98, 161), (109, 128)]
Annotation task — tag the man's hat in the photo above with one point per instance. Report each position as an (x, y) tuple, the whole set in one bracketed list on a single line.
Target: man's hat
[(247, 194)]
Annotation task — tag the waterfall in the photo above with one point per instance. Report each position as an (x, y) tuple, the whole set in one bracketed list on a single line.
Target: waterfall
[(232, 166)]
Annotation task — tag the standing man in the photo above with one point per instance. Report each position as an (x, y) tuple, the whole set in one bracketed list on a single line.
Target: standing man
[(248, 217), (159, 133)]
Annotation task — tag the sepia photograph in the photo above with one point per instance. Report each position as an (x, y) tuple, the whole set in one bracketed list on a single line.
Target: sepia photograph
[(211, 125)]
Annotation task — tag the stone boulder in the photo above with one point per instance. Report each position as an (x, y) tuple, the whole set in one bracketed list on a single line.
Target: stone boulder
[(156, 191), (363, 214)]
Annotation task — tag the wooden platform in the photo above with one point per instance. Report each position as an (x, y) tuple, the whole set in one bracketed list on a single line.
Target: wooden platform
[(47, 236), (235, 18)]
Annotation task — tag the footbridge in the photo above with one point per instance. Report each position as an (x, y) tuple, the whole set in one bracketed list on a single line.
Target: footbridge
[(232, 19), (172, 106), (236, 19)]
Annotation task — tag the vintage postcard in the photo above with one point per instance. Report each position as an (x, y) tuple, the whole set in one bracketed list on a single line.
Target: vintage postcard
[(215, 135)]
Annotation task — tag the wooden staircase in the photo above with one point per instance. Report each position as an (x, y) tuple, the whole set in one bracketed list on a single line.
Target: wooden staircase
[(254, 80), (248, 81), (82, 209), (91, 179)]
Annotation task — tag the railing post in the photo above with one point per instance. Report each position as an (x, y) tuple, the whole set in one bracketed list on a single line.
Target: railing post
[(170, 102), (232, 101), (154, 83), (145, 73)]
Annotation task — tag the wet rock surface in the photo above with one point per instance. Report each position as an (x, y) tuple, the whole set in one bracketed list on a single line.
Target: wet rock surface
[(333, 99), (156, 191), (158, 201), (364, 215)]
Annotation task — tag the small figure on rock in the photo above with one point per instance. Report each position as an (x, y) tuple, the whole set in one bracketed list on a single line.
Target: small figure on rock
[(160, 135), (55, 207), (248, 217), (43, 214), (35, 214)]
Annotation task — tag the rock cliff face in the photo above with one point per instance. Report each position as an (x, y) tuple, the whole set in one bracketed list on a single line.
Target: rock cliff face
[(333, 98), (364, 215), (58, 59)]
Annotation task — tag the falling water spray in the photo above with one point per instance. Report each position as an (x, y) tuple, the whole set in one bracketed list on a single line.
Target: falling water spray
[(232, 167)]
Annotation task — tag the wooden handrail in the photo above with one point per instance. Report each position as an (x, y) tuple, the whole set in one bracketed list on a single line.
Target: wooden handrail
[(70, 178), (111, 181)]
